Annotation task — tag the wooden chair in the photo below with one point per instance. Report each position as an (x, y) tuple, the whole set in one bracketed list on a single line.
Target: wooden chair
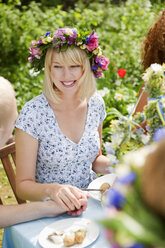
[(8, 159)]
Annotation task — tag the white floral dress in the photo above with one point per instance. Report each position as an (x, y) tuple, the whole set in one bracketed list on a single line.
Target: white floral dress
[(60, 160)]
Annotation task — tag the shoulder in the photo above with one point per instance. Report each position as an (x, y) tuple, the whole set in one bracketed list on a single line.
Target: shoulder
[(38, 100), (36, 103), (96, 99)]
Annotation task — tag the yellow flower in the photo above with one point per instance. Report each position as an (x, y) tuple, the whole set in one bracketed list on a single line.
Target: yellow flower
[(79, 43), (47, 40), (83, 46), (97, 51)]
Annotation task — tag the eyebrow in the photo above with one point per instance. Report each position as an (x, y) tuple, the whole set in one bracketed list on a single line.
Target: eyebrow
[(55, 62)]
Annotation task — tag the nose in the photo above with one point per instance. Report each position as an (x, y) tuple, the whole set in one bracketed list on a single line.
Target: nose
[(67, 72)]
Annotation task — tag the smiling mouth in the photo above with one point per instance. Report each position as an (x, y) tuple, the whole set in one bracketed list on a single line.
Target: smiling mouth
[(68, 83)]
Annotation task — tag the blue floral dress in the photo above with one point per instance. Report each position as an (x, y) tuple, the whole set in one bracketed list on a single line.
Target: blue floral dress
[(60, 160)]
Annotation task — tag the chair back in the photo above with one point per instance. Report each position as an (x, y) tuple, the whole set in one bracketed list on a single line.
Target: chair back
[(8, 159)]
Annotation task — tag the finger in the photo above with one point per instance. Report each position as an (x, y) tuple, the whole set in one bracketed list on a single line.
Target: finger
[(73, 199), (67, 201), (74, 213), (77, 192), (83, 194), (84, 203), (61, 204)]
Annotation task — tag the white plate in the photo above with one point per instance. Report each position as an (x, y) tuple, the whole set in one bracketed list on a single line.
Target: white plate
[(66, 225), (96, 184)]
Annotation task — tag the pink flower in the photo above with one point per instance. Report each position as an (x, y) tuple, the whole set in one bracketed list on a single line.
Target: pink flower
[(102, 62), (93, 42), (121, 73), (33, 43), (34, 51)]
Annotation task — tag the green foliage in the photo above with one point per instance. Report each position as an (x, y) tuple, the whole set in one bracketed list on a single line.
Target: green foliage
[(121, 29)]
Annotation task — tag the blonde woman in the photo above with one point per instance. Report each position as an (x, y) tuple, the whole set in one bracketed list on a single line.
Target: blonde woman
[(58, 133), (14, 214)]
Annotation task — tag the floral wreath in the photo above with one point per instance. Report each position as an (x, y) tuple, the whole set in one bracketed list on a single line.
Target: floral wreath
[(64, 37)]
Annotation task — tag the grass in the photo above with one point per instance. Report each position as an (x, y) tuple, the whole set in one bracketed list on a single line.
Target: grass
[(6, 194)]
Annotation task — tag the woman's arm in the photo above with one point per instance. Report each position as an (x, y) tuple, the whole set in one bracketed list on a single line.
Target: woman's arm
[(14, 214), (26, 156), (10, 215), (101, 163)]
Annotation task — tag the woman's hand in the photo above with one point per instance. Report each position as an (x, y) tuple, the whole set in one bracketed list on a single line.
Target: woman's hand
[(101, 165), (77, 212), (67, 196)]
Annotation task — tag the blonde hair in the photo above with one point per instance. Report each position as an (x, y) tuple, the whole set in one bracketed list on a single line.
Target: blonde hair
[(7, 98), (87, 82)]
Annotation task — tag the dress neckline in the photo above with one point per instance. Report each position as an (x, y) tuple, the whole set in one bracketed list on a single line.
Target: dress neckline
[(59, 129)]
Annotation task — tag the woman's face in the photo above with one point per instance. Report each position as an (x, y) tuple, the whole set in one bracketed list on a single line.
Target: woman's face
[(65, 77)]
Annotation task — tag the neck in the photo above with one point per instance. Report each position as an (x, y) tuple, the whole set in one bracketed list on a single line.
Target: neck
[(68, 102)]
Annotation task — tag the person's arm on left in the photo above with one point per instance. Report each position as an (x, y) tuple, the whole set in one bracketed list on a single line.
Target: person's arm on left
[(101, 163)]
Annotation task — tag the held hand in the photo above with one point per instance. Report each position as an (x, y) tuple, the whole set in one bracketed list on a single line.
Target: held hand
[(77, 212), (67, 196)]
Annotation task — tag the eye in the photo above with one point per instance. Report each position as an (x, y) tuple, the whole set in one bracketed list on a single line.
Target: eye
[(57, 66), (75, 66)]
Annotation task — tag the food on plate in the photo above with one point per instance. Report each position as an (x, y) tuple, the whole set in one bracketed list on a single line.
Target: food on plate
[(69, 239), (80, 236), (104, 187), (55, 238)]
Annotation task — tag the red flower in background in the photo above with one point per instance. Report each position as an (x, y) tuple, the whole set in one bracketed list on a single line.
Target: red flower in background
[(121, 73)]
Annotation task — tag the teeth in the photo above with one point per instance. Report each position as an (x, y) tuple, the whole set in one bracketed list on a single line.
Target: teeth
[(68, 83)]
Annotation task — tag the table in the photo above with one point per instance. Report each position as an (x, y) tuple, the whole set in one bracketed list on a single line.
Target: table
[(25, 235)]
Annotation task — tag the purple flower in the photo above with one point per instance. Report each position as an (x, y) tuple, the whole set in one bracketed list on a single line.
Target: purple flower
[(72, 39), (127, 179), (115, 198), (56, 46), (98, 74), (30, 59), (159, 134), (102, 62)]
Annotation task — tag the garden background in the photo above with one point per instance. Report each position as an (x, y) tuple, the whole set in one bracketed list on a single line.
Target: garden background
[(120, 25)]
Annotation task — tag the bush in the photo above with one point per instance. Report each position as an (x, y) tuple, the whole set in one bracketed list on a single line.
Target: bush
[(120, 29)]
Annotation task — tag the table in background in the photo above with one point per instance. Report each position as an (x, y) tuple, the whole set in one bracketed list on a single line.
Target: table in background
[(25, 235)]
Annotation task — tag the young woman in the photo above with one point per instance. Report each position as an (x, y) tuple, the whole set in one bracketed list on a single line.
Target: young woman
[(14, 214), (58, 133)]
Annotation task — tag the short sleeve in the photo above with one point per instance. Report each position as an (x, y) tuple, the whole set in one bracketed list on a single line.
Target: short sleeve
[(28, 120), (102, 110)]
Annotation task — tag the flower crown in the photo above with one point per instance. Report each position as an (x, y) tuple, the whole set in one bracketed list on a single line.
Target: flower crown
[(63, 38)]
